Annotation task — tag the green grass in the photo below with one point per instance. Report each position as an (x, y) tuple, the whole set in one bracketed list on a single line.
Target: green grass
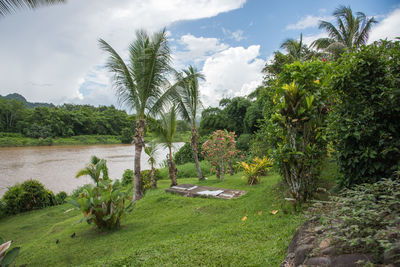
[(179, 136), (163, 230), (12, 140)]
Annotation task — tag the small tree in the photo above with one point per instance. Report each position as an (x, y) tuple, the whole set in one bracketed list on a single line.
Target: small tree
[(219, 149), (94, 169), (151, 150)]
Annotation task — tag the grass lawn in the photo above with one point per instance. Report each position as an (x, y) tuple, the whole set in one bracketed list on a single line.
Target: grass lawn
[(163, 230)]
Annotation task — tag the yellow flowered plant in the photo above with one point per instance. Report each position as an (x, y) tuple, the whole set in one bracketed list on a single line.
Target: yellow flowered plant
[(257, 168)]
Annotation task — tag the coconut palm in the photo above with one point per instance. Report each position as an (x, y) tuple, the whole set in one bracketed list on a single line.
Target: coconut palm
[(95, 169), (189, 104), (151, 150), (165, 130), (351, 32), (140, 84), (11, 6), (297, 50)]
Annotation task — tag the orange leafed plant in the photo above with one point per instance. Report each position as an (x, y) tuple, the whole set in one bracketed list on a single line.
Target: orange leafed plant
[(257, 168)]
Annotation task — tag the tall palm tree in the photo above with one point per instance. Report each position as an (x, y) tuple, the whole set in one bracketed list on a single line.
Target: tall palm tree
[(189, 105), (165, 130), (11, 6), (140, 84), (94, 169), (151, 150), (351, 32), (297, 50)]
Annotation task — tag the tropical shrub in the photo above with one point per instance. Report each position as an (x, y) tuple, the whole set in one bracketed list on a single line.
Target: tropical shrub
[(365, 219), (367, 125), (220, 151), (127, 135), (302, 104), (243, 142), (29, 195), (185, 153), (146, 179), (127, 177), (7, 257), (103, 204), (77, 191), (257, 168), (60, 197), (97, 170)]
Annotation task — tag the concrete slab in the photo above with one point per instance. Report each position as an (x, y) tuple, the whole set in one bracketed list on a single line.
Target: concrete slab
[(189, 190)]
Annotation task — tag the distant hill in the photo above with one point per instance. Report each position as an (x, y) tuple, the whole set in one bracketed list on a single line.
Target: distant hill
[(19, 97)]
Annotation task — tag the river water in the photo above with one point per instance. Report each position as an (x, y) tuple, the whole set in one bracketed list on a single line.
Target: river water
[(56, 166)]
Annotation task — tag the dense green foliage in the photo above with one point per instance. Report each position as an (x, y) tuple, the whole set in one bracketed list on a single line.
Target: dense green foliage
[(185, 153), (127, 178), (103, 204), (27, 196), (365, 219), (367, 125), (164, 230)]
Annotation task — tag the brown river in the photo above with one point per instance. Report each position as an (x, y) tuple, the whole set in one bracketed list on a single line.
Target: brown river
[(56, 166)]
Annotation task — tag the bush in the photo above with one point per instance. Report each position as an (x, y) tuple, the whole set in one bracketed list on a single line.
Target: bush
[(368, 113), (60, 197), (29, 195), (185, 153), (127, 177), (243, 142), (126, 135), (104, 204), (76, 192), (365, 219), (258, 168)]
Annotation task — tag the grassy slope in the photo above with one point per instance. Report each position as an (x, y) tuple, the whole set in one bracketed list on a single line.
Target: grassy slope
[(163, 229)]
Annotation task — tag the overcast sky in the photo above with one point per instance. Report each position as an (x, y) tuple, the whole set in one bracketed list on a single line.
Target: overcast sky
[(52, 55)]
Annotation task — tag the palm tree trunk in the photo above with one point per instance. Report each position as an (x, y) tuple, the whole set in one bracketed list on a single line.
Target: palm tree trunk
[(139, 144), (172, 167), (194, 143)]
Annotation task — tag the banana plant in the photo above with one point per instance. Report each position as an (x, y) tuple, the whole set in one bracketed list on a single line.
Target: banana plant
[(7, 257)]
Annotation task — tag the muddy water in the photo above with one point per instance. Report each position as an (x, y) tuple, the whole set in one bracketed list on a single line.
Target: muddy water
[(56, 166)]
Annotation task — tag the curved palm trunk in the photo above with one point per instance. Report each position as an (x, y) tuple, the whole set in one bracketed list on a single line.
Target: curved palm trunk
[(171, 166), (139, 144), (194, 143)]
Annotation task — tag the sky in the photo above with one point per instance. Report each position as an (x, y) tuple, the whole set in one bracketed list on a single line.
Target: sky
[(52, 54)]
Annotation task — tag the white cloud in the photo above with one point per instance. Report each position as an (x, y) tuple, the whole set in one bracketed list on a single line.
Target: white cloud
[(308, 39), (233, 72), (307, 22), (236, 35), (196, 49), (387, 28), (57, 46)]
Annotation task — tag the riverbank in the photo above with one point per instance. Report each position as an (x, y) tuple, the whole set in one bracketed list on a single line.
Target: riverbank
[(164, 229), (18, 140)]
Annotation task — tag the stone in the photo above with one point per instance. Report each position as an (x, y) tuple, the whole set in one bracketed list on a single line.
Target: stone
[(308, 240), (210, 193), (301, 254), (350, 260), (319, 229), (325, 243), (190, 190), (328, 251), (318, 261)]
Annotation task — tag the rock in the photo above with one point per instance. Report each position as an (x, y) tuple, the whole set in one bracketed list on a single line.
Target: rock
[(301, 254), (328, 251), (325, 243), (318, 261), (308, 240), (319, 229), (351, 260), (393, 255)]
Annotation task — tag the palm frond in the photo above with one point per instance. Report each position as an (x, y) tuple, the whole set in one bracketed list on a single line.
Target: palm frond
[(12, 6)]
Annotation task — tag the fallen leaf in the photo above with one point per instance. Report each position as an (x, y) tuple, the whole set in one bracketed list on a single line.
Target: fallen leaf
[(244, 218), (274, 212), (260, 212)]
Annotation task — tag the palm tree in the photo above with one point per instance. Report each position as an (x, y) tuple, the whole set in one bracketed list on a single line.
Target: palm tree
[(165, 130), (351, 32), (189, 104), (297, 50), (11, 6), (151, 150), (140, 83), (95, 169)]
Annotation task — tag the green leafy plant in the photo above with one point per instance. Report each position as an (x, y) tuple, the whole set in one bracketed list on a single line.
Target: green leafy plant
[(127, 177), (94, 169), (7, 257), (103, 204), (60, 197), (366, 126), (365, 219)]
